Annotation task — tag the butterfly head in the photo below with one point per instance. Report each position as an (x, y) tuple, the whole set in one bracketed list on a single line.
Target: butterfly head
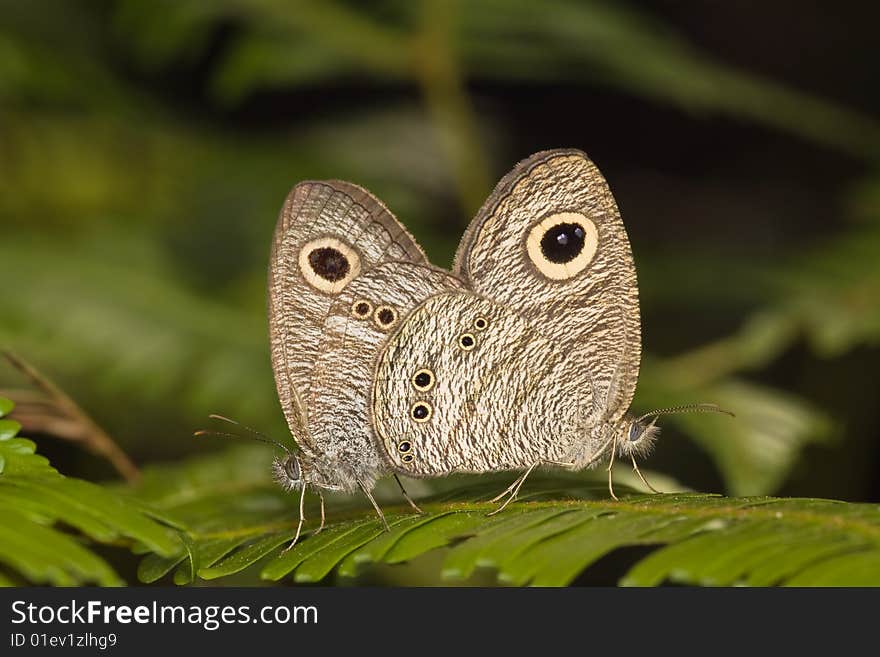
[(638, 437), (639, 434), (294, 470), (287, 471)]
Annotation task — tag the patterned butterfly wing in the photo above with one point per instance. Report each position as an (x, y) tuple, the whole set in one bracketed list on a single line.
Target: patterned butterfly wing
[(461, 387), (357, 327), (328, 234), (550, 243), (541, 354)]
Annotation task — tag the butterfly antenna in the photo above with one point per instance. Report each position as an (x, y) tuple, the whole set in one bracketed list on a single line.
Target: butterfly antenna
[(687, 408), (255, 435), (223, 418)]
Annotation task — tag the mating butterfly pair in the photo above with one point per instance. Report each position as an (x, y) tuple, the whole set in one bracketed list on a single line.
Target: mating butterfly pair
[(525, 354)]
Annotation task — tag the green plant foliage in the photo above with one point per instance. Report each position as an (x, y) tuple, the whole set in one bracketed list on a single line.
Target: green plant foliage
[(561, 40), (36, 501), (236, 519)]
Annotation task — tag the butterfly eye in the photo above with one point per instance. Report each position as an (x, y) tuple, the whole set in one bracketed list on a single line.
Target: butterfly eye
[(421, 411), (385, 317), (467, 341), (635, 432), (328, 264), (562, 245), (423, 380), (480, 323), (361, 309)]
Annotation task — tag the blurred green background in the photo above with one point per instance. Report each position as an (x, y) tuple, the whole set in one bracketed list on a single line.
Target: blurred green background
[(146, 148)]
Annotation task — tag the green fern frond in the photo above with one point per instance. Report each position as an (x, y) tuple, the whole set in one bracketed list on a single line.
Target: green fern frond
[(562, 524), (36, 501)]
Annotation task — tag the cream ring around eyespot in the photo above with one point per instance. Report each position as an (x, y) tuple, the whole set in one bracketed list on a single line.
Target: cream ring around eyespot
[(560, 271), (328, 264), (423, 380), (421, 412), (361, 309), (385, 317)]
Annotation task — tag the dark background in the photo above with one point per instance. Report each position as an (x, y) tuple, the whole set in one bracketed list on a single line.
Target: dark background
[(146, 147)]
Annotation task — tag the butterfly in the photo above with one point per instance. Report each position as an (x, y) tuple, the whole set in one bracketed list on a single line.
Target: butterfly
[(525, 354)]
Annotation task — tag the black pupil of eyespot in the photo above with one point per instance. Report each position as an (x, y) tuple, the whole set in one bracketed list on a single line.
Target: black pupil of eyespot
[(481, 323), (467, 341), (563, 243), (386, 316), (329, 263), (420, 412), (362, 309), (404, 447), (423, 379)]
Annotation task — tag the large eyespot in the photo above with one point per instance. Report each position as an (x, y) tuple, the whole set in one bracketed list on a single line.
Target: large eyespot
[(421, 411), (385, 317), (361, 309), (423, 380), (328, 264), (467, 341), (562, 245)]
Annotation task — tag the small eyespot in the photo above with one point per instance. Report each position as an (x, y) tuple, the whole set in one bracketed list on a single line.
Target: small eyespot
[(421, 411), (467, 341), (407, 458), (562, 245), (423, 380), (404, 446), (328, 264), (480, 323), (361, 309), (385, 317)]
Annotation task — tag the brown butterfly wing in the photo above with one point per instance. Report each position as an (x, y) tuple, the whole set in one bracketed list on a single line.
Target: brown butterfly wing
[(328, 232), (576, 289)]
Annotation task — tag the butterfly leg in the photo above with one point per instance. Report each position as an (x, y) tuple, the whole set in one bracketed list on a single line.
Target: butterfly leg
[(506, 490), (375, 506), (641, 476), (302, 518), (513, 489), (321, 495), (610, 468), (405, 495)]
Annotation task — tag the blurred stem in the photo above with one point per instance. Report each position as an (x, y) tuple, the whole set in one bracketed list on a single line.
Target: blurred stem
[(346, 30), (74, 424), (436, 69)]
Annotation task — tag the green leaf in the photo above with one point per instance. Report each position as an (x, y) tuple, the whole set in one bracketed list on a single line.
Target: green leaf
[(36, 500), (8, 429), (562, 524), (43, 554)]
